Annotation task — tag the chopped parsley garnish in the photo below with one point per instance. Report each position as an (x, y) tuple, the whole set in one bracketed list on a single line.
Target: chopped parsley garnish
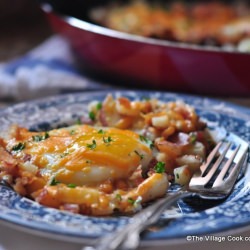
[(131, 201), (140, 155), (71, 185), (64, 154), (147, 141), (192, 138), (20, 146), (92, 115), (54, 182), (101, 131), (98, 105), (107, 140), (92, 146), (38, 138), (159, 167), (72, 132), (177, 176), (118, 197)]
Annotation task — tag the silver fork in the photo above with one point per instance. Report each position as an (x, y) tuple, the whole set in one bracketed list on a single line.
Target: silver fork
[(215, 181)]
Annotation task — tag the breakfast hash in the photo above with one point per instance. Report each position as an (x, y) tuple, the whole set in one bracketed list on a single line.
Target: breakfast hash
[(213, 23), (119, 156)]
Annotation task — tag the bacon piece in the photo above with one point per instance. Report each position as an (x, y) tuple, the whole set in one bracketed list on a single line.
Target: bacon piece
[(179, 139), (102, 118), (174, 146), (7, 162)]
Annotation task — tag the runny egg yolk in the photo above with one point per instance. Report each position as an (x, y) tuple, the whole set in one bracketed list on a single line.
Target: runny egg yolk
[(88, 155)]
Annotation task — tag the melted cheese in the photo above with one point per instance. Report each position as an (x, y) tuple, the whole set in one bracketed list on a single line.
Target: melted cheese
[(85, 155)]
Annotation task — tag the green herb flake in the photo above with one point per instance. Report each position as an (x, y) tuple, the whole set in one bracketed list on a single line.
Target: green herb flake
[(177, 176), (107, 140), (72, 132), (118, 197), (88, 161), (20, 146), (159, 167), (147, 141), (92, 115), (98, 105), (101, 131), (92, 146), (38, 138), (71, 185), (192, 138), (131, 201), (64, 154), (140, 155), (46, 135), (54, 182)]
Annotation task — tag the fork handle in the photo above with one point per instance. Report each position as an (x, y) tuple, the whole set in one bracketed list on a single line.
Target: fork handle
[(127, 237)]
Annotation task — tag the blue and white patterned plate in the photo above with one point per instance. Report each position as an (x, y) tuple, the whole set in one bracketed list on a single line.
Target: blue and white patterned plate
[(183, 219)]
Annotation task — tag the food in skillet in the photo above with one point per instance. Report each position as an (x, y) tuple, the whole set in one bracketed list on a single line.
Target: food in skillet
[(122, 155), (198, 22)]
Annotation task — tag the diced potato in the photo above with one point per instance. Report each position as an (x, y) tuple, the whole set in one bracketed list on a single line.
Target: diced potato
[(193, 162), (154, 186), (182, 175), (196, 149), (28, 166), (160, 121), (93, 106), (161, 157), (125, 107)]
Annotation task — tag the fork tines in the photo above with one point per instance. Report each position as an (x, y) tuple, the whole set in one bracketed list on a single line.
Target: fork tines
[(221, 167)]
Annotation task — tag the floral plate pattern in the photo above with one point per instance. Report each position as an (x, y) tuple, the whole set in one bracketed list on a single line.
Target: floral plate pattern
[(181, 220)]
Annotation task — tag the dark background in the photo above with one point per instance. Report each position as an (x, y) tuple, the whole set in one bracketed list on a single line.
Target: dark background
[(22, 27)]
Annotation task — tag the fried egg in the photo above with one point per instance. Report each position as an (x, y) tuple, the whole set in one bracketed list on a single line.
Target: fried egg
[(84, 155)]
